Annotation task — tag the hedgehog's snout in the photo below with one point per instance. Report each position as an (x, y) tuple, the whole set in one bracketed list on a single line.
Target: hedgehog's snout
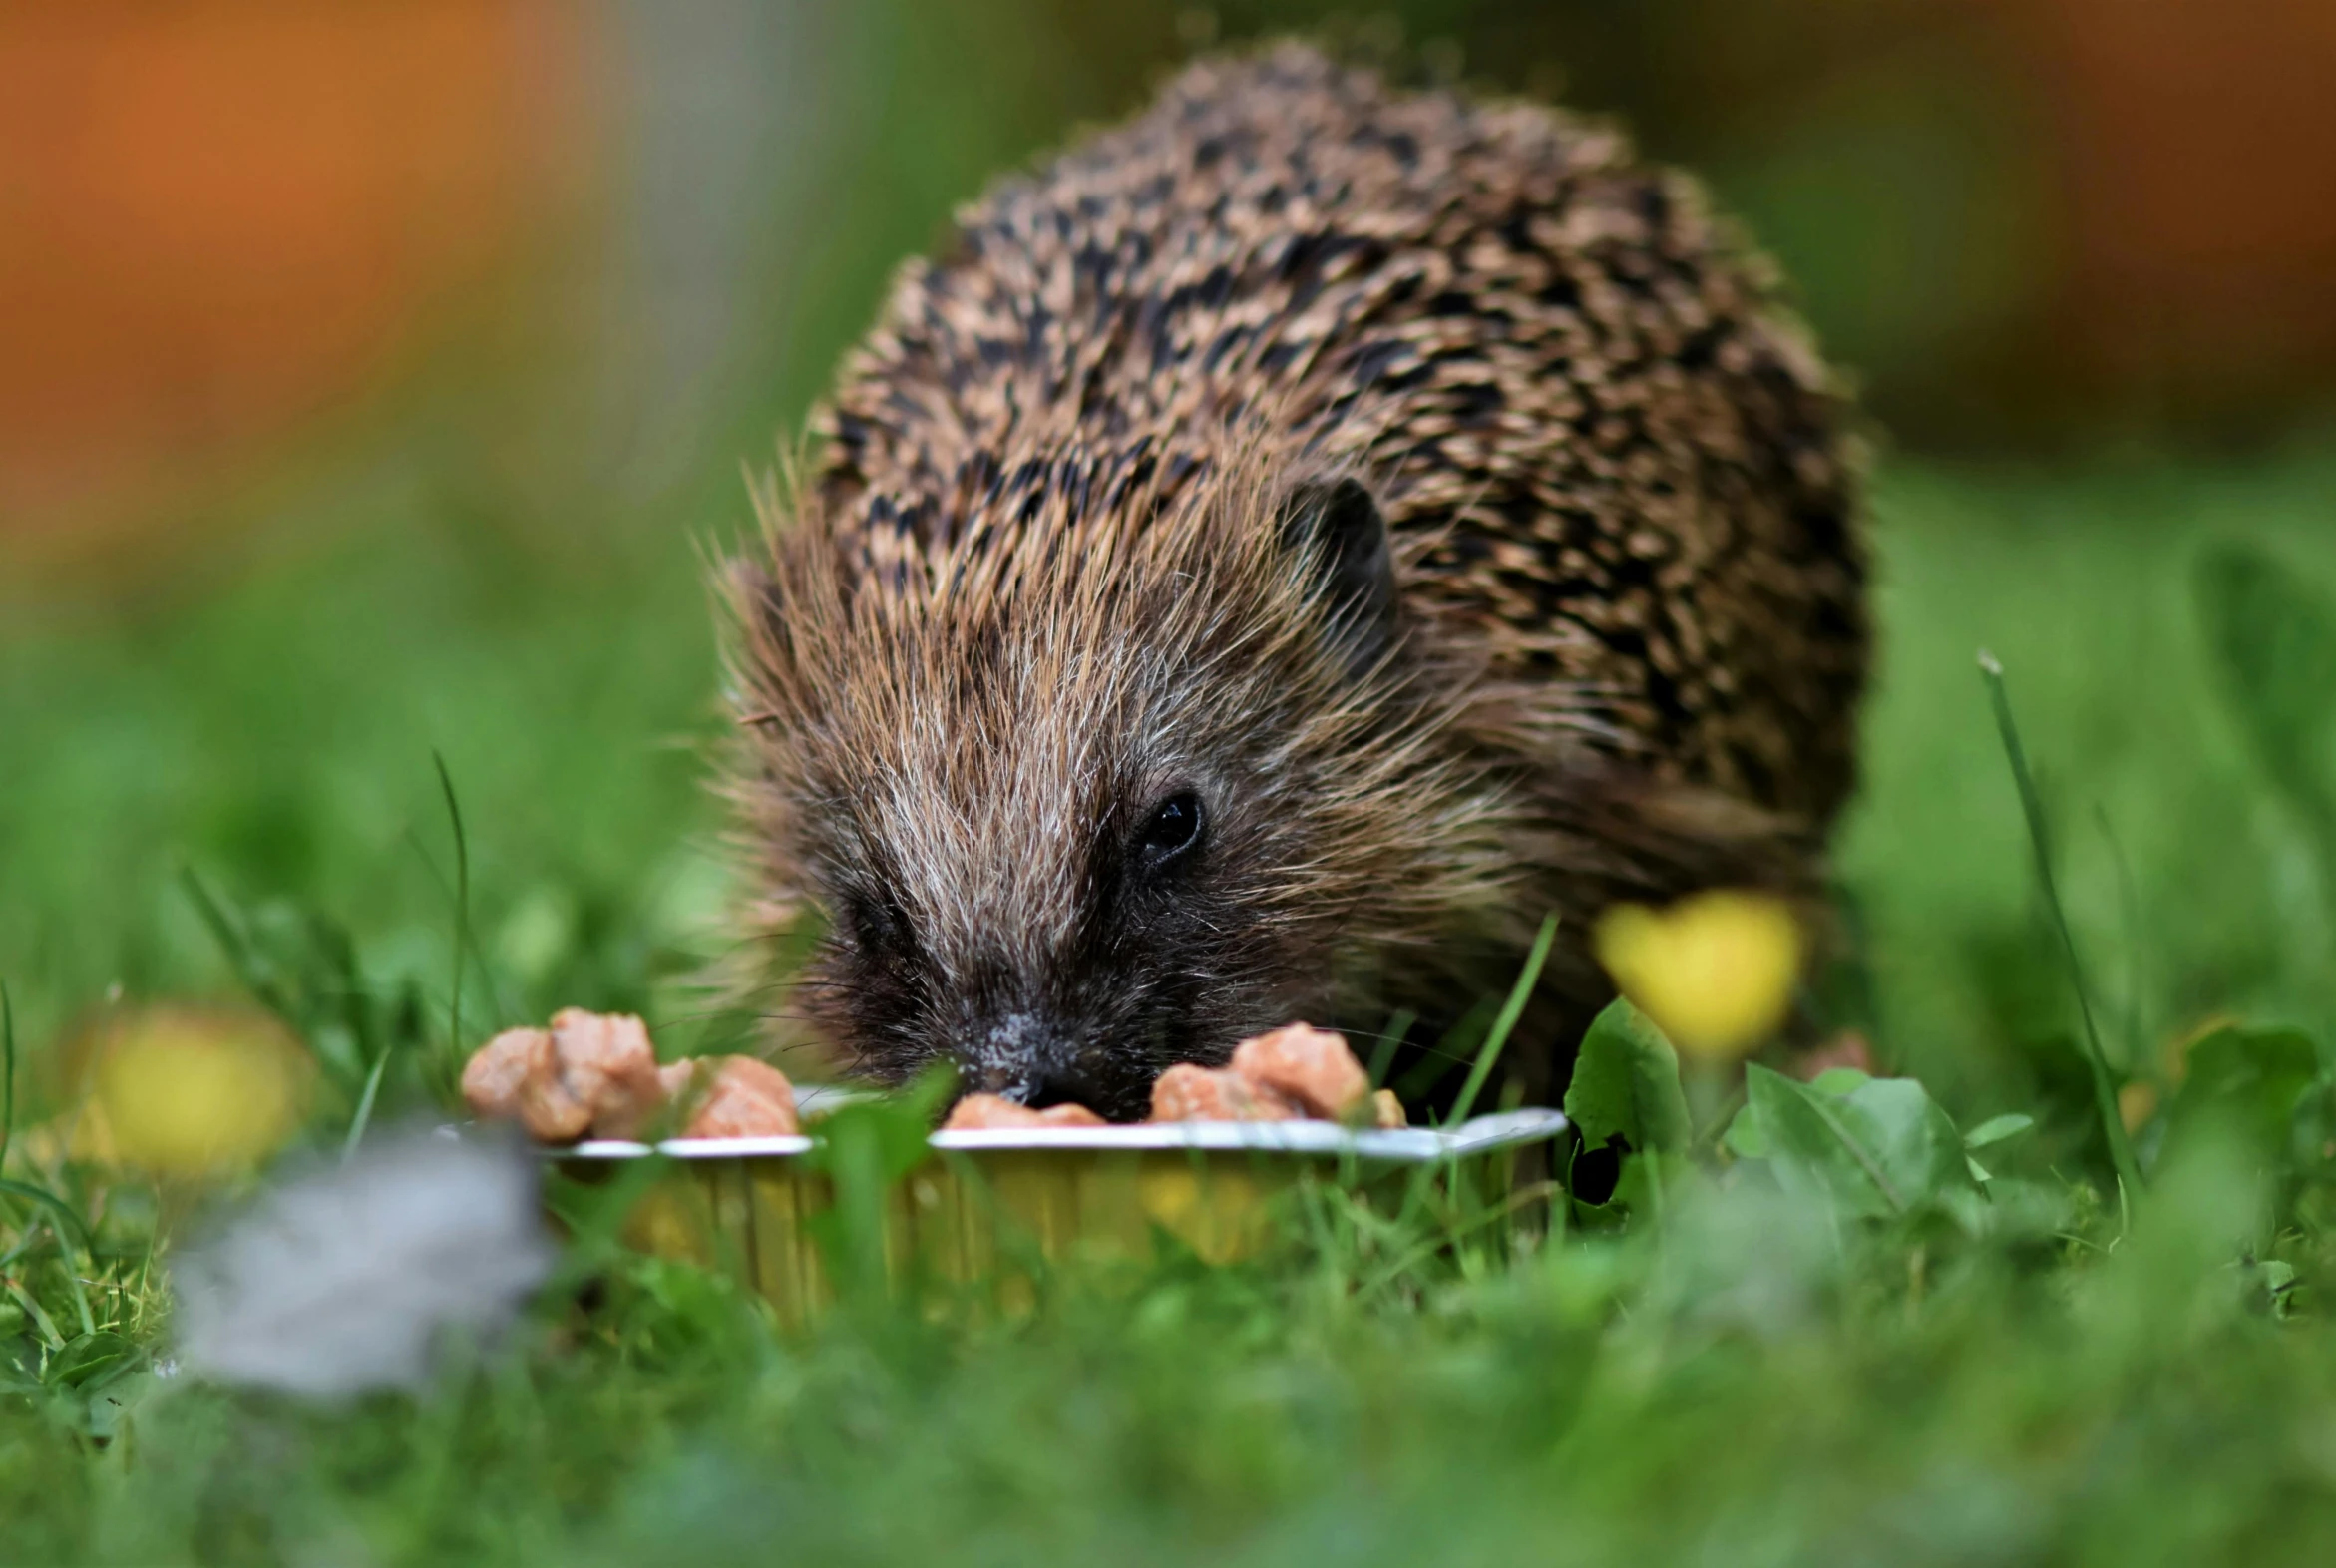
[(1023, 1057)]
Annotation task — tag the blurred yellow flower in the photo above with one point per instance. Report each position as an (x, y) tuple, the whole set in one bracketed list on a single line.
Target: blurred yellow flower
[(180, 1092), (1714, 972)]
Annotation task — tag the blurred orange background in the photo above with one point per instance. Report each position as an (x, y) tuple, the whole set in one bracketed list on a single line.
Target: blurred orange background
[(2193, 144), (227, 224), (225, 218)]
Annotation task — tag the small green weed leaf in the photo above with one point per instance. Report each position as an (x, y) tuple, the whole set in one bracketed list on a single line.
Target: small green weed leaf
[(91, 1361), (1808, 1155), (1746, 1138), (1882, 1149), (2252, 1079), (1626, 1085), (1997, 1128), (106, 1410)]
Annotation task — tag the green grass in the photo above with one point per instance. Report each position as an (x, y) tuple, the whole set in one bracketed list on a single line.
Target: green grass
[(1766, 1376)]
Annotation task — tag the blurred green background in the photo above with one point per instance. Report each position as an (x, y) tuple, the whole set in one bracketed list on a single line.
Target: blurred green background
[(377, 380)]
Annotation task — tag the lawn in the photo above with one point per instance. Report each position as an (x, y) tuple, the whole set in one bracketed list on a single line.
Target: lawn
[(1764, 1367)]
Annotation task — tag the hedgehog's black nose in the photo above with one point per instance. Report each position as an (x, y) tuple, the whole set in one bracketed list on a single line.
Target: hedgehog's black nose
[(1053, 1090), (1028, 1084)]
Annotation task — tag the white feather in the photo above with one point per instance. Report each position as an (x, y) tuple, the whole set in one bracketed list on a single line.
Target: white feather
[(351, 1277)]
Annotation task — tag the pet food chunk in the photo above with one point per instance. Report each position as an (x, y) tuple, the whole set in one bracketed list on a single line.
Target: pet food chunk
[(1311, 1069), (606, 1063), (587, 1072), (516, 1077), (742, 1099), (981, 1112), (1186, 1092)]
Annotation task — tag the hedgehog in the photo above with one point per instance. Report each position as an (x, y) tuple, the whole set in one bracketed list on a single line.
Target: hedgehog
[(1277, 554)]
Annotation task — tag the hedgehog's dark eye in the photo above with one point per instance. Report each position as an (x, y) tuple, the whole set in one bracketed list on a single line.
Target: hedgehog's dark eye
[(879, 923), (1174, 828)]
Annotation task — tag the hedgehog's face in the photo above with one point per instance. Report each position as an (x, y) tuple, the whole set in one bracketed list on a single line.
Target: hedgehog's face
[(1053, 949), (1068, 833)]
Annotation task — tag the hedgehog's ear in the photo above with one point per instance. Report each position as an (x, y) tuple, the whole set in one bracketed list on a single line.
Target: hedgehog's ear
[(1338, 528)]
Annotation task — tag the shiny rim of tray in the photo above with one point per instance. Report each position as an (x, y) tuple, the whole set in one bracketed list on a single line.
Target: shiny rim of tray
[(1403, 1145)]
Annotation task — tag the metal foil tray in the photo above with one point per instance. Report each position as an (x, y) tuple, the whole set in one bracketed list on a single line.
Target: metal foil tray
[(987, 1208)]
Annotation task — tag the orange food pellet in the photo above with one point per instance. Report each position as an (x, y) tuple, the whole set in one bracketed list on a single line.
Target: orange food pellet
[(1310, 1068), (983, 1113), (1186, 1092)]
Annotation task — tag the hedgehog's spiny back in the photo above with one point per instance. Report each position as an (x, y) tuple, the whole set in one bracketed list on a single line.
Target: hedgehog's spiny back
[(1603, 453)]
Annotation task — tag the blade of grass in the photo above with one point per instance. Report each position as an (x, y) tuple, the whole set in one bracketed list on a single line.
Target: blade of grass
[(1456, 1048), (88, 1323), (2129, 901), (462, 900), (2112, 1127), (1511, 1010), (364, 1114), (58, 1217), (1389, 1042), (41, 1320), (7, 1072), (503, 1010), (235, 945), (54, 1204), (1453, 1229)]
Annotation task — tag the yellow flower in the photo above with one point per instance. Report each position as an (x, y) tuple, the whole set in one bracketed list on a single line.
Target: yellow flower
[(1714, 972), (181, 1093)]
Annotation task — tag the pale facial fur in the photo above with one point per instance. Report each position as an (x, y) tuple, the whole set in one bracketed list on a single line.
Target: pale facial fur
[(1068, 830)]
